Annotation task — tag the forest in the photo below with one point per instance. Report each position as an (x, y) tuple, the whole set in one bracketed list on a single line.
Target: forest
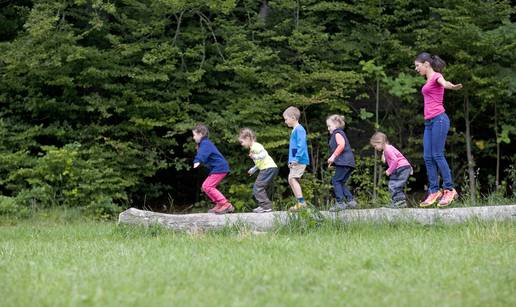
[(98, 97)]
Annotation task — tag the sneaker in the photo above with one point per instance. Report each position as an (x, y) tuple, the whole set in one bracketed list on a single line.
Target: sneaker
[(449, 196), (226, 208), (338, 207), (214, 209), (398, 204), (261, 210), (352, 204), (431, 199), (297, 207)]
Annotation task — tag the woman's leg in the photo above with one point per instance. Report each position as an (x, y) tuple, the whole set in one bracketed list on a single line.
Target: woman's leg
[(431, 166), (439, 133)]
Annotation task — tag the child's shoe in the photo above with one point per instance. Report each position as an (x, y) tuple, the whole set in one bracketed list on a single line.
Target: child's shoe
[(214, 209), (339, 206), (398, 204), (431, 199), (449, 196), (226, 208), (352, 204), (297, 207), (261, 209)]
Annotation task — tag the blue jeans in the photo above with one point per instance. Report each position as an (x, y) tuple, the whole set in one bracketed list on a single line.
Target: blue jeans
[(338, 180), (434, 139), (397, 182)]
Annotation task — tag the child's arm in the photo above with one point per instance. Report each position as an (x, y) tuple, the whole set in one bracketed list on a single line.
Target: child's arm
[(341, 143), (259, 155), (252, 170), (300, 145), (202, 155), (448, 85), (390, 157)]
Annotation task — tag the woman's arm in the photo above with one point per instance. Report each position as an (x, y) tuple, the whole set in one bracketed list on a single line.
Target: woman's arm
[(448, 85)]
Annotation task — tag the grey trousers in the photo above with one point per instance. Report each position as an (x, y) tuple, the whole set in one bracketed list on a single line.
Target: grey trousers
[(264, 186), (397, 182)]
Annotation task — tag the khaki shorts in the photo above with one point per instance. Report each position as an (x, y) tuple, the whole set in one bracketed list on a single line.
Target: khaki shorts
[(297, 171)]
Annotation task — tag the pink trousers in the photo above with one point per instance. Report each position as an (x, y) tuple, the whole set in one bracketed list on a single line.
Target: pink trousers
[(209, 186)]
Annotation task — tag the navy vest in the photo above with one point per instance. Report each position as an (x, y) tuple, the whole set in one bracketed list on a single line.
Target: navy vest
[(345, 158)]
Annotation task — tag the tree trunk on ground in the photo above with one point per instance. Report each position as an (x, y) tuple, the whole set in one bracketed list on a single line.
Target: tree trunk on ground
[(267, 221)]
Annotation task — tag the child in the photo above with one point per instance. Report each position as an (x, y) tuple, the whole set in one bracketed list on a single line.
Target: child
[(209, 156), (344, 161), (297, 155), (399, 169), (437, 125), (262, 188)]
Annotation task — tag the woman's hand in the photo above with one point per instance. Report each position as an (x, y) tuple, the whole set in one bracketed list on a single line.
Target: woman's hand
[(455, 86)]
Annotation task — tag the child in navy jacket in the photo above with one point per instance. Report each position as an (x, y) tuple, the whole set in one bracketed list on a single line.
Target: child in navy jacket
[(211, 158)]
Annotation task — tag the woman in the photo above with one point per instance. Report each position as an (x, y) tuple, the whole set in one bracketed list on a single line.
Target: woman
[(437, 125)]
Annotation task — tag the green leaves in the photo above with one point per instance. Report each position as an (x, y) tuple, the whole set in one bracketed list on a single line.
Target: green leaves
[(128, 79)]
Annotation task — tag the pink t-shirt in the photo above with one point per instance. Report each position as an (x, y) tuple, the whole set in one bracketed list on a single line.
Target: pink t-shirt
[(394, 158), (433, 95)]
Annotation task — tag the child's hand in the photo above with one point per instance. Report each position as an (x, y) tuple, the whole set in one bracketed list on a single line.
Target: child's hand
[(387, 173), (252, 170), (292, 164), (331, 160), (196, 165)]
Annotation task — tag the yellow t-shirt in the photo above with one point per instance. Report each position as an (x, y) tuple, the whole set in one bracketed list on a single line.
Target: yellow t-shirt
[(261, 157)]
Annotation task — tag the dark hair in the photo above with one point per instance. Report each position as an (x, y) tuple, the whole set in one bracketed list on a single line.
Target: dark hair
[(201, 129), (435, 61)]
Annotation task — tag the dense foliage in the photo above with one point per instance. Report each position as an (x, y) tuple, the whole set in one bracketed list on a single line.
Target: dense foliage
[(98, 97)]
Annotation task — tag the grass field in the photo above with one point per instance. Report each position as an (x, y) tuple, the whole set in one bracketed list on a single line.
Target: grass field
[(52, 262)]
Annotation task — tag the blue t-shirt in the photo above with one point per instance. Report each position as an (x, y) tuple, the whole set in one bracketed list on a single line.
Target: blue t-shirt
[(298, 149)]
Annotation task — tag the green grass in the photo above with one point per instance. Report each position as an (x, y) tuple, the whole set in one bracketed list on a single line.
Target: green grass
[(48, 261)]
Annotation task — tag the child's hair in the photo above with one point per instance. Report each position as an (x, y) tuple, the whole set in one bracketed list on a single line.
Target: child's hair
[(379, 138), (434, 60), (337, 119), (201, 129), (292, 112), (247, 133)]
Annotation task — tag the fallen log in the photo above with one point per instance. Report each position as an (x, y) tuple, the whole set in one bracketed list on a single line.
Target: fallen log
[(266, 221)]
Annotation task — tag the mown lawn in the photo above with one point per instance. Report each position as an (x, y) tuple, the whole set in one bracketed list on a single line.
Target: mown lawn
[(85, 263)]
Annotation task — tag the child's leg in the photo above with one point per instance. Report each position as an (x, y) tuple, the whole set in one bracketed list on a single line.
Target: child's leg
[(209, 186), (346, 173), (270, 187), (263, 181), (397, 183), (293, 179), (337, 185)]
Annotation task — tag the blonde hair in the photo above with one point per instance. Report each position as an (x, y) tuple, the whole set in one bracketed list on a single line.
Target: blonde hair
[(340, 120), (247, 133), (201, 129), (379, 138), (292, 112)]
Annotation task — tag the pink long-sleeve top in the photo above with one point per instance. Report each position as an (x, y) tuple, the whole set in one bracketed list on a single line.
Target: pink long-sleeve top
[(394, 158)]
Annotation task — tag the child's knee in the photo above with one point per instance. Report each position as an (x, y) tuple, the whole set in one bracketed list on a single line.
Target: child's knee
[(206, 187)]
